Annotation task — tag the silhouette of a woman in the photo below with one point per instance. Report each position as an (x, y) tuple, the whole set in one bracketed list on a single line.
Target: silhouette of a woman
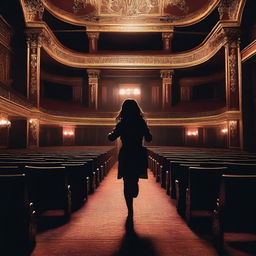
[(132, 158)]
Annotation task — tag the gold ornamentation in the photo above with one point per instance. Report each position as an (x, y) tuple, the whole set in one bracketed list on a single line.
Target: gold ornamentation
[(34, 9), (93, 35), (205, 51), (229, 9), (129, 7), (233, 66), (33, 132), (233, 128), (81, 4)]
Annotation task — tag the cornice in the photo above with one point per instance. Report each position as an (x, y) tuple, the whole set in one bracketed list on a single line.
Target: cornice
[(209, 47), (14, 109)]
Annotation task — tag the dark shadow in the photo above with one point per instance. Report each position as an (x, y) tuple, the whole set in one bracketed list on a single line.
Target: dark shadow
[(45, 223), (243, 246), (134, 245)]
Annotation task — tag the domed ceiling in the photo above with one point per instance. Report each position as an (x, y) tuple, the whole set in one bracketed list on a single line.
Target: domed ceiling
[(124, 12)]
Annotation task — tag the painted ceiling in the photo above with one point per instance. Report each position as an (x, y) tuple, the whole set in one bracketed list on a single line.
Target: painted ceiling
[(173, 12)]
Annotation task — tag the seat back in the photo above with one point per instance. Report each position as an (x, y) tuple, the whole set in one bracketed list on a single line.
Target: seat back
[(204, 183)]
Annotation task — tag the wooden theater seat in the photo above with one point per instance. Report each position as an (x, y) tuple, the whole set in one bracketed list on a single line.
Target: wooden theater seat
[(79, 181), (235, 209), (202, 190), (49, 188), (17, 216)]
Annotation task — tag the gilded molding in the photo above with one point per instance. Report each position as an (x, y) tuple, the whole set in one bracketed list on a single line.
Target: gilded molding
[(48, 117), (123, 11), (214, 41), (231, 9), (33, 10), (249, 51)]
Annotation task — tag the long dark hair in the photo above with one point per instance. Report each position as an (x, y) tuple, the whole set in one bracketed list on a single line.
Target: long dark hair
[(130, 110)]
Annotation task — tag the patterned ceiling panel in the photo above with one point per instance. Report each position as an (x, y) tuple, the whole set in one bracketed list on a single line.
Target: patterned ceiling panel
[(173, 12)]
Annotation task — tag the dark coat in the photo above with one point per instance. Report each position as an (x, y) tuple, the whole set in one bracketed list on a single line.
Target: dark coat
[(132, 158)]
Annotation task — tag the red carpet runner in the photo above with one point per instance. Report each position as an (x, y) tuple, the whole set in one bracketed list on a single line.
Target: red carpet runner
[(98, 228)]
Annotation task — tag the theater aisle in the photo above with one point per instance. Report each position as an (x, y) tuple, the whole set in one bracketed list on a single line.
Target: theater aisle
[(98, 228)]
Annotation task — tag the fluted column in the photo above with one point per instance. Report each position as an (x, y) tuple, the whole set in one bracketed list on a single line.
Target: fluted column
[(33, 66), (93, 79), (167, 79), (167, 41), (93, 41)]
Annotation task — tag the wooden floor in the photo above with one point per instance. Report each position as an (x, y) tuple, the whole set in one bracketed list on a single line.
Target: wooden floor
[(98, 228)]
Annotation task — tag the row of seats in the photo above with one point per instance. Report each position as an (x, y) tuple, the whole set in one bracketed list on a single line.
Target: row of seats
[(214, 183), (33, 183)]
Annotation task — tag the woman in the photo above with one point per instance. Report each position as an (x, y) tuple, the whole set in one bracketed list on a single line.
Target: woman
[(132, 159)]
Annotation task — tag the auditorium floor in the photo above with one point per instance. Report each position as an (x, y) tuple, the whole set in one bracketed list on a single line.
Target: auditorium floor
[(98, 228)]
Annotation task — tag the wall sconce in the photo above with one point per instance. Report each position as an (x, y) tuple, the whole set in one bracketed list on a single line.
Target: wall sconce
[(68, 133), (4, 122), (192, 132), (224, 130)]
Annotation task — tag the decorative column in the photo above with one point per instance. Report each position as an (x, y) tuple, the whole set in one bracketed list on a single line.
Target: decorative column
[(232, 59), (185, 93), (33, 133), (233, 84), (234, 134), (93, 80), (167, 41), (33, 66), (93, 41), (167, 79)]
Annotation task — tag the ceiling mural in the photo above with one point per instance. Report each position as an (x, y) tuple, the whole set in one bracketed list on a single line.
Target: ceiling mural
[(178, 12)]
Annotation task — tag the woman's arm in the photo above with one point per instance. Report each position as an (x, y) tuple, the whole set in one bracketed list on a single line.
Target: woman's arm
[(147, 135), (115, 133)]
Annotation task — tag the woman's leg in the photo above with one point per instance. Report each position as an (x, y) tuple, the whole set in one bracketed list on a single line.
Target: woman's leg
[(131, 190), (128, 196)]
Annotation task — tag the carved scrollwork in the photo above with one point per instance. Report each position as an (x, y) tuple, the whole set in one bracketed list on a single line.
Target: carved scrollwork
[(93, 35), (233, 128), (232, 36), (166, 73), (33, 132), (228, 9), (93, 73), (233, 66), (34, 9)]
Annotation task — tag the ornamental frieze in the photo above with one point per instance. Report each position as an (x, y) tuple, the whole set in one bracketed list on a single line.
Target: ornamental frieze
[(126, 12), (179, 60)]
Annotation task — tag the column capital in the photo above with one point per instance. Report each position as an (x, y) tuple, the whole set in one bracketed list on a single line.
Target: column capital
[(166, 73), (93, 35), (34, 37), (93, 73), (167, 35), (232, 36), (34, 10)]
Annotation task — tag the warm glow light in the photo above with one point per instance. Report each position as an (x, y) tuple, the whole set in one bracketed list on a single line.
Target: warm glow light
[(129, 91), (224, 130), (68, 133), (192, 132), (4, 123)]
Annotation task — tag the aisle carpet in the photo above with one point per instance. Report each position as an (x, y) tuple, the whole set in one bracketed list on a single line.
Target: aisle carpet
[(98, 228)]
